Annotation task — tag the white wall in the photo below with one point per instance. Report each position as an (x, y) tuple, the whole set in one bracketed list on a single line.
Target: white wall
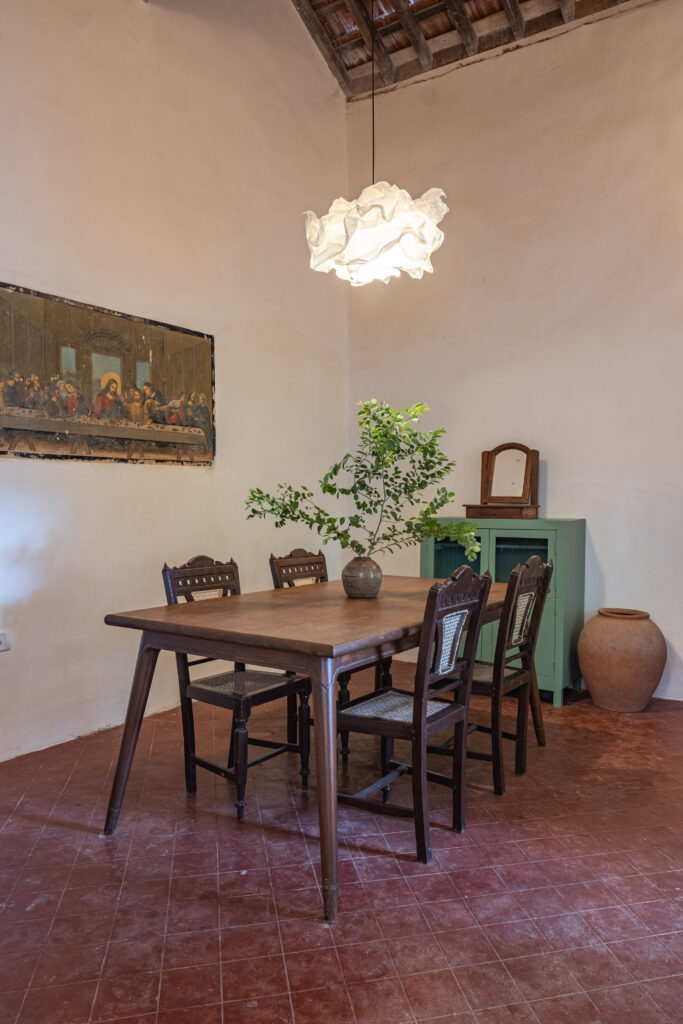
[(554, 314), (156, 159)]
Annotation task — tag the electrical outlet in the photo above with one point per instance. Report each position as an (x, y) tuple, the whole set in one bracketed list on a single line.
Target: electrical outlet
[(5, 642)]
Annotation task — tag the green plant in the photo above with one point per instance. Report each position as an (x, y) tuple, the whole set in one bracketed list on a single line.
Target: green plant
[(386, 478)]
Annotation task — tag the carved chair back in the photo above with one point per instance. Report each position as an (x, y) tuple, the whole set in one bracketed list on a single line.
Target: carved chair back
[(299, 566), (452, 607), (200, 579), (520, 620)]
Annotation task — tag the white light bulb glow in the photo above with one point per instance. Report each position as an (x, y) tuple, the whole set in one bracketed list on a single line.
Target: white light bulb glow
[(377, 236)]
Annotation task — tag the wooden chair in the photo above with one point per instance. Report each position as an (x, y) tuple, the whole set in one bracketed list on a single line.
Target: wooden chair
[(238, 691), (301, 567), (512, 672), (440, 700)]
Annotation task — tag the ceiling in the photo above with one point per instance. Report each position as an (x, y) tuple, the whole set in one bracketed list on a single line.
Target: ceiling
[(415, 36)]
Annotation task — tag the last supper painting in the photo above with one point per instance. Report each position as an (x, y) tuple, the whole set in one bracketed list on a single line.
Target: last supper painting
[(78, 381)]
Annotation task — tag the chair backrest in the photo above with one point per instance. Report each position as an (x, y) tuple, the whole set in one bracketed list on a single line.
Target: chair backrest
[(298, 567), (452, 607), (200, 579), (520, 619)]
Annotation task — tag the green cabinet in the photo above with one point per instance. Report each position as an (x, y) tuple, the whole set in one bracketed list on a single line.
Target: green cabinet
[(504, 544)]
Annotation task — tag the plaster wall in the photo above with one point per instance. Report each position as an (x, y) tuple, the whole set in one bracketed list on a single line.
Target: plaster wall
[(554, 313), (156, 160)]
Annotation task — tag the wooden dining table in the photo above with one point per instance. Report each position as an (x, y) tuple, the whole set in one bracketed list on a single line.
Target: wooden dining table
[(316, 631)]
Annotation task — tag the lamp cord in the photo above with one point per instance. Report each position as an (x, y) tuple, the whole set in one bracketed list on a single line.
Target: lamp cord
[(372, 33)]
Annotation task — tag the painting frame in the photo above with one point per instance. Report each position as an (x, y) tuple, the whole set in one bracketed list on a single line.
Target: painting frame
[(81, 381)]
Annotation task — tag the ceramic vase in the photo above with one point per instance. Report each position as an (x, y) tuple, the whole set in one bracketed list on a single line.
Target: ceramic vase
[(362, 577), (622, 655)]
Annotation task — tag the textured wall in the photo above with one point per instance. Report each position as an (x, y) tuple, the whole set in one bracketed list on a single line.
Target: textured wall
[(554, 314), (157, 158)]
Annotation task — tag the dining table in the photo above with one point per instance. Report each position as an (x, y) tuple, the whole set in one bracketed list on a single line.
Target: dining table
[(315, 631)]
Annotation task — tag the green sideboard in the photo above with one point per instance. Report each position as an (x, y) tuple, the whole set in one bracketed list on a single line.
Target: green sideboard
[(504, 544)]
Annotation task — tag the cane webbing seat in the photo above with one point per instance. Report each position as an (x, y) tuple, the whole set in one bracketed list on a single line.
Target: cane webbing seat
[(393, 706)]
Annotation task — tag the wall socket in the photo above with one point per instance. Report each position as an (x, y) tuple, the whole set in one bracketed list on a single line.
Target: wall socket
[(5, 641)]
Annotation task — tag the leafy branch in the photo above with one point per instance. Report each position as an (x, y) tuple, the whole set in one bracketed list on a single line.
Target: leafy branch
[(387, 478)]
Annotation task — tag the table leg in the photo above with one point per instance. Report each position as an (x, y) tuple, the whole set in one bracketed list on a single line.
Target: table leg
[(139, 691), (536, 712), (325, 734)]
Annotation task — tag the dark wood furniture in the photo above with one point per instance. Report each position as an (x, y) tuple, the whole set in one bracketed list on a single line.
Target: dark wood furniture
[(512, 672), (201, 579), (300, 568), (316, 631), (509, 484), (440, 700)]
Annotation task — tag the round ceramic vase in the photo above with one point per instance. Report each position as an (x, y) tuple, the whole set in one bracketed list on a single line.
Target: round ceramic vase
[(362, 577), (622, 655)]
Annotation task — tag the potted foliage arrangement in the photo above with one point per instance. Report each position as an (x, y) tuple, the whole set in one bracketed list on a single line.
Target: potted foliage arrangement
[(393, 483)]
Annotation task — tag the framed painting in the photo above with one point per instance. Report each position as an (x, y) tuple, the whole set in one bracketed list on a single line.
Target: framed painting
[(78, 381)]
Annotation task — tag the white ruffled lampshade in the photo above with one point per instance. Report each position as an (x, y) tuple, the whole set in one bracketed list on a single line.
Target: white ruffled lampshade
[(375, 237)]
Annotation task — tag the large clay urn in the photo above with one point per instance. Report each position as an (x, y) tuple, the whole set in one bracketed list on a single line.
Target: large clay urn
[(622, 655)]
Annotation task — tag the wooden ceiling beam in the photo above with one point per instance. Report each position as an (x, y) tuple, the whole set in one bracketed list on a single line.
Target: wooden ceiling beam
[(515, 17), (368, 31), (414, 32), (332, 58), (458, 14), (568, 9)]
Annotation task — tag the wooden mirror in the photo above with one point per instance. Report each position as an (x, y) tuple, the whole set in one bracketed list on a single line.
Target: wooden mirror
[(509, 483)]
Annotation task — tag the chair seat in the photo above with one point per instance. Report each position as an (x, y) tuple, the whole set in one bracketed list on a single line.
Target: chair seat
[(247, 684), (392, 706), (483, 673)]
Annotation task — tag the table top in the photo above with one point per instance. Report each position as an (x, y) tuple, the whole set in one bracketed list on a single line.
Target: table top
[(318, 619)]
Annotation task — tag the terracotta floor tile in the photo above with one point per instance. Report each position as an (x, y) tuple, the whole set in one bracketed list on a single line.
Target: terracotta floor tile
[(364, 926), (647, 958), (434, 994), (488, 984), (497, 908), (330, 1004), (628, 1003), (411, 957), (60, 964), (190, 986), (466, 946), (268, 1010), (125, 996), (667, 993), (259, 976), (195, 1015), (516, 1013), (297, 934), (566, 931), (380, 1002), (516, 938), (596, 967), (542, 975), (660, 915), (578, 1008), (407, 921), (316, 968), (184, 949), (61, 1004), (366, 961)]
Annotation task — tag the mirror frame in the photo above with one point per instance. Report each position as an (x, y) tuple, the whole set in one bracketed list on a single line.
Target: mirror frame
[(529, 494)]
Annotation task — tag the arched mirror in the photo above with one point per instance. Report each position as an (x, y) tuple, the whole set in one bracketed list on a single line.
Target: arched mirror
[(509, 475)]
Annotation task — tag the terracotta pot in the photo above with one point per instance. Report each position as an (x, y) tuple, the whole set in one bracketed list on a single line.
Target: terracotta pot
[(622, 655), (362, 577)]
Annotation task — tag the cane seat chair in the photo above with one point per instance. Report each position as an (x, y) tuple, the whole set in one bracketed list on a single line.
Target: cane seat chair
[(238, 691), (440, 700), (301, 567), (512, 672)]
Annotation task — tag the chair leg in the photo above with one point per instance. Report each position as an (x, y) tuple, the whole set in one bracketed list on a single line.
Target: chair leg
[(459, 776), (292, 718), (386, 755), (231, 751), (521, 732), (187, 718), (497, 745), (420, 804), (304, 737), (241, 760), (536, 712), (342, 700)]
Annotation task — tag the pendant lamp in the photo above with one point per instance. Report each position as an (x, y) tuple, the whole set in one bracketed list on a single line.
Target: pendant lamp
[(381, 233)]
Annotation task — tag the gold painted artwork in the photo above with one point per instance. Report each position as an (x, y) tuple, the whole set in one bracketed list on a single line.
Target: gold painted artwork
[(77, 381)]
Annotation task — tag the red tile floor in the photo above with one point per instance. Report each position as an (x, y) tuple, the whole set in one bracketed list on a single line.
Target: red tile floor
[(562, 902)]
